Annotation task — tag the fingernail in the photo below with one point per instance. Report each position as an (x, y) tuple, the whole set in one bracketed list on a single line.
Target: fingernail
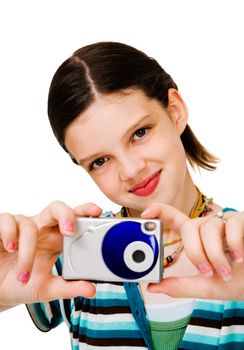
[(11, 246), (237, 256), (154, 288), (146, 212), (205, 269), (224, 272), (24, 277), (68, 228)]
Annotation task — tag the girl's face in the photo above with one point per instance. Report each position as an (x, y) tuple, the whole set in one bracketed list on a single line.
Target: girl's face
[(130, 146)]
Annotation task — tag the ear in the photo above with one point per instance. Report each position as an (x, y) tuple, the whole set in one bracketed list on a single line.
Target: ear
[(177, 110)]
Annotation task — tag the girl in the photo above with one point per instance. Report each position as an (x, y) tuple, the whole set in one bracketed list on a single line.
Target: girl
[(120, 116)]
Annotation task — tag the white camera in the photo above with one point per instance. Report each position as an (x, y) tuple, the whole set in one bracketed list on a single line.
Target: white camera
[(114, 249)]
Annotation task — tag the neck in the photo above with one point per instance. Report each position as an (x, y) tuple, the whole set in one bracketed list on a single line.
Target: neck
[(184, 200), (187, 196)]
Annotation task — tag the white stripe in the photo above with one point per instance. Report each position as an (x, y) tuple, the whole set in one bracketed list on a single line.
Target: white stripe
[(172, 304), (107, 287), (47, 311), (208, 331), (61, 303), (102, 318), (169, 312), (238, 329), (93, 347), (54, 270)]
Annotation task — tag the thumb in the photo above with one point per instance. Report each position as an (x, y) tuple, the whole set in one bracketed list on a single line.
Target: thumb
[(190, 287), (58, 288), (172, 218)]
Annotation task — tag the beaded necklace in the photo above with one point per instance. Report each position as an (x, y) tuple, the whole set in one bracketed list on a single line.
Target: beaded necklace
[(199, 209)]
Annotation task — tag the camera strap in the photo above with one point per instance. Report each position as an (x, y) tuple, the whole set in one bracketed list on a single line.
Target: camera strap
[(138, 310)]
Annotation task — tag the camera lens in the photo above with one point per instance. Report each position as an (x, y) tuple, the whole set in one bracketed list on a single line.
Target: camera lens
[(138, 256)]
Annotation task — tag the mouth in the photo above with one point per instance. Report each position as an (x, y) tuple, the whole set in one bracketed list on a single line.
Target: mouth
[(146, 187)]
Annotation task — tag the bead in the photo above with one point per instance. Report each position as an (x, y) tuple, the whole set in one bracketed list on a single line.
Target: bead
[(220, 214), (169, 259)]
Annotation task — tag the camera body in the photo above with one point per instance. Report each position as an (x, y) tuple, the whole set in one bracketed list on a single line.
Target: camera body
[(114, 249)]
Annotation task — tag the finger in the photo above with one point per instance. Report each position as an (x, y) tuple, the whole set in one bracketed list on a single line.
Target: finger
[(57, 213), (192, 287), (234, 231), (58, 288), (212, 235), (190, 233), (172, 218), (27, 247), (8, 231), (88, 209)]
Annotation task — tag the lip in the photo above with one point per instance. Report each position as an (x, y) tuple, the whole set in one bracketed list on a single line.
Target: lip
[(146, 187)]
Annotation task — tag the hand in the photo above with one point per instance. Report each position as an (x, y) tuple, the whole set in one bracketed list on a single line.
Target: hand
[(29, 248), (205, 240), (203, 287)]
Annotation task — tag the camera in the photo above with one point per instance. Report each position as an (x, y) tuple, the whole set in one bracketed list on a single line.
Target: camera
[(114, 249)]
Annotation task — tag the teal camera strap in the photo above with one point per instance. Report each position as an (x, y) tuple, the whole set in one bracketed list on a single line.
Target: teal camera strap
[(138, 310)]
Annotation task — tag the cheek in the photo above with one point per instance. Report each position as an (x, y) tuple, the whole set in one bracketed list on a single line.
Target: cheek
[(108, 184), (171, 149)]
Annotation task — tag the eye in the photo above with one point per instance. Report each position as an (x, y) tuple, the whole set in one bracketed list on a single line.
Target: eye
[(98, 163), (140, 133)]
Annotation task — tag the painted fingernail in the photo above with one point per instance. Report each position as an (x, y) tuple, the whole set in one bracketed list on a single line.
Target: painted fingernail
[(237, 256), (205, 269), (11, 246), (68, 228), (24, 277), (224, 272)]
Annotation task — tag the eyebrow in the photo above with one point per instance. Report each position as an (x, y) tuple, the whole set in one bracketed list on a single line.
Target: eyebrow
[(129, 131)]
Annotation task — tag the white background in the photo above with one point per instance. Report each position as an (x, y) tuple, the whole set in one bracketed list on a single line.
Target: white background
[(200, 43)]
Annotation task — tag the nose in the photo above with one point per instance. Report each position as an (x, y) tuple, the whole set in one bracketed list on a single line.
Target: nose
[(130, 167)]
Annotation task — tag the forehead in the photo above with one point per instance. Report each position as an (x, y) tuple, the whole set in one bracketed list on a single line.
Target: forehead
[(115, 107), (108, 118)]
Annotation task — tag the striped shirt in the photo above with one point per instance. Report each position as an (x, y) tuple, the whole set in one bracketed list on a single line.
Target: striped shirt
[(116, 318)]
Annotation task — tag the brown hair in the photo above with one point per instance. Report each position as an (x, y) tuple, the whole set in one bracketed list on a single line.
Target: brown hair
[(108, 67)]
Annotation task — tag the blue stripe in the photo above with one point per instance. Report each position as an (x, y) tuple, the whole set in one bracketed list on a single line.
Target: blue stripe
[(234, 313), (107, 334), (232, 346), (41, 315), (207, 315), (75, 347), (197, 346), (234, 304), (110, 295), (214, 307), (232, 337), (58, 265), (204, 339), (105, 325), (108, 302)]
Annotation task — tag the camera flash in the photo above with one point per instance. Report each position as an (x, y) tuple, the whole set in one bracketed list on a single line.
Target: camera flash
[(150, 226)]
